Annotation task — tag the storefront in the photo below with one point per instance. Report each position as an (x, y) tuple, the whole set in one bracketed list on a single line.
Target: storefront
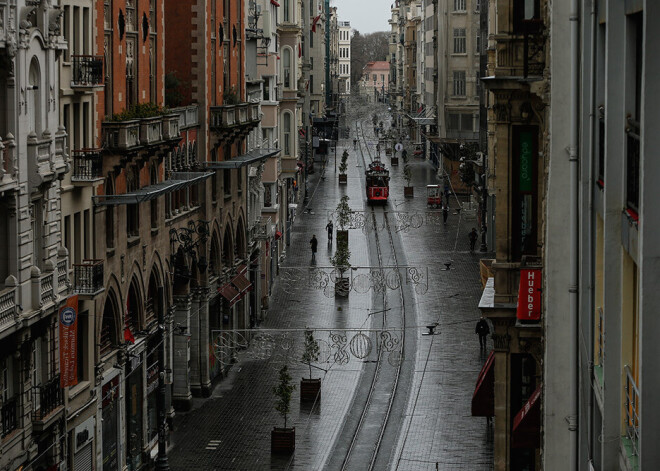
[(134, 414), (83, 446), (110, 424)]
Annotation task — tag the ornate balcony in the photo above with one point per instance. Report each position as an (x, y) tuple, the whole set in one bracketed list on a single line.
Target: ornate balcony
[(122, 135), (8, 164), (88, 277), (8, 310), (46, 403), (87, 71), (47, 291), (9, 413), (230, 122), (520, 57), (87, 165), (263, 229)]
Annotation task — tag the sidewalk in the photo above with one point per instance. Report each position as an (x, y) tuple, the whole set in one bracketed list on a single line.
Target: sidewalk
[(231, 430)]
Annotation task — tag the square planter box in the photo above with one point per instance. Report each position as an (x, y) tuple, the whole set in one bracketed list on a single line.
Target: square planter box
[(408, 191), (395, 161), (343, 178), (282, 440), (310, 390)]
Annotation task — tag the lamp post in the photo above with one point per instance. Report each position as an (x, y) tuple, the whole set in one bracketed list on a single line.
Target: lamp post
[(190, 238)]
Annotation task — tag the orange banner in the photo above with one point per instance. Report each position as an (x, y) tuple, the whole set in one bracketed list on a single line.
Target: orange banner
[(68, 319)]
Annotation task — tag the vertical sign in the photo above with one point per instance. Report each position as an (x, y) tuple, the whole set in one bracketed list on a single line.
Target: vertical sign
[(68, 319), (529, 295)]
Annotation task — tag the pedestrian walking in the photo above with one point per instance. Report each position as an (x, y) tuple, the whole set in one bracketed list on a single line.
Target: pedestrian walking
[(445, 213), (473, 239), (483, 330), (314, 243), (329, 228), (378, 149)]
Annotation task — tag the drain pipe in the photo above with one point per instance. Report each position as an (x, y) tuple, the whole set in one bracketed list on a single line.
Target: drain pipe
[(572, 418)]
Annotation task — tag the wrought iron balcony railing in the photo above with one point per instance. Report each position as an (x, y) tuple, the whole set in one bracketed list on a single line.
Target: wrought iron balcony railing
[(9, 416), (87, 71), (46, 398), (88, 277), (87, 165), (632, 410)]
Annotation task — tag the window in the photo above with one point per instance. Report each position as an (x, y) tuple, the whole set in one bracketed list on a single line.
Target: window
[(459, 83), (375, 79), (477, 43), (527, 16), (459, 5), (109, 215), (286, 126), (311, 84), (286, 64), (477, 84), (633, 128), (132, 210), (459, 41), (266, 88), (477, 5)]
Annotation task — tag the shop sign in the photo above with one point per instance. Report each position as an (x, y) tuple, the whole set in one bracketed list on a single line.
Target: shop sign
[(529, 295)]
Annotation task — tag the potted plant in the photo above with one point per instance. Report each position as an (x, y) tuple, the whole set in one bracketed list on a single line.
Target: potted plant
[(344, 212), (343, 166), (310, 389), (283, 439), (341, 263), (408, 191)]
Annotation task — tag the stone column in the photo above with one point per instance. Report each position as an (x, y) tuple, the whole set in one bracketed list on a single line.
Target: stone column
[(181, 394)]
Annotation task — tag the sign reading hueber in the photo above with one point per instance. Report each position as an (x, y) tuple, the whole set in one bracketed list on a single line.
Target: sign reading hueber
[(529, 295)]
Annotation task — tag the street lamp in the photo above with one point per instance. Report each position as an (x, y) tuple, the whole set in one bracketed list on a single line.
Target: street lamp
[(189, 238)]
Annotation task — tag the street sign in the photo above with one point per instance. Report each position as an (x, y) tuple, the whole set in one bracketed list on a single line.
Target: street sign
[(398, 147)]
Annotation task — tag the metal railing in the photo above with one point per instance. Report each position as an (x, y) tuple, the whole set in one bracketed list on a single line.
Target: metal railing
[(46, 398), (599, 353), (7, 306), (87, 164), (88, 276), (87, 71), (262, 229), (632, 410), (47, 292), (9, 416)]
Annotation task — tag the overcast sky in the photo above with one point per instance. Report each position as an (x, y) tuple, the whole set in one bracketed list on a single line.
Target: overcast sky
[(367, 16)]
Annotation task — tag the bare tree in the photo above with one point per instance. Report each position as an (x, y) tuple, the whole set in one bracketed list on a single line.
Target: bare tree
[(366, 48)]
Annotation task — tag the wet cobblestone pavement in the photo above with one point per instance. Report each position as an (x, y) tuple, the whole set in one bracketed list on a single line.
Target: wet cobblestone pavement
[(231, 429)]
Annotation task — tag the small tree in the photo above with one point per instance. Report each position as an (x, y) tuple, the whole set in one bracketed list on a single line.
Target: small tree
[(407, 174), (341, 258), (283, 393), (344, 212), (343, 165), (311, 351)]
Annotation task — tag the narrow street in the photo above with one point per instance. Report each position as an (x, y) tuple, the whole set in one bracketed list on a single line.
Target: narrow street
[(403, 408)]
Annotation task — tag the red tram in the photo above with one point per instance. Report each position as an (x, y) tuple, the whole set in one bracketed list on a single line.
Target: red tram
[(378, 181)]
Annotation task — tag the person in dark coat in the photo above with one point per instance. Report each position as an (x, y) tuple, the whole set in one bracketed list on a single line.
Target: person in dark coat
[(314, 244), (473, 239), (483, 330), (329, 227), (445, 213)]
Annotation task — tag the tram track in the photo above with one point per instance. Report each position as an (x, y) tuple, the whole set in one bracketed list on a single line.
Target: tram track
[(366, 444)]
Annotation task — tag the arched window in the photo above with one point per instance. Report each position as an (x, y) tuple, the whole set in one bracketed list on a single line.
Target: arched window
[(34, 97), (286, 66), (109, 333), (286, 138)]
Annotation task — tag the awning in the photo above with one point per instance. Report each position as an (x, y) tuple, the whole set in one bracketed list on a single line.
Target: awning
[(483, 399), (241, 282), (229, 293), (244, 160), (177, 181), (526, 432), (273, 2)]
